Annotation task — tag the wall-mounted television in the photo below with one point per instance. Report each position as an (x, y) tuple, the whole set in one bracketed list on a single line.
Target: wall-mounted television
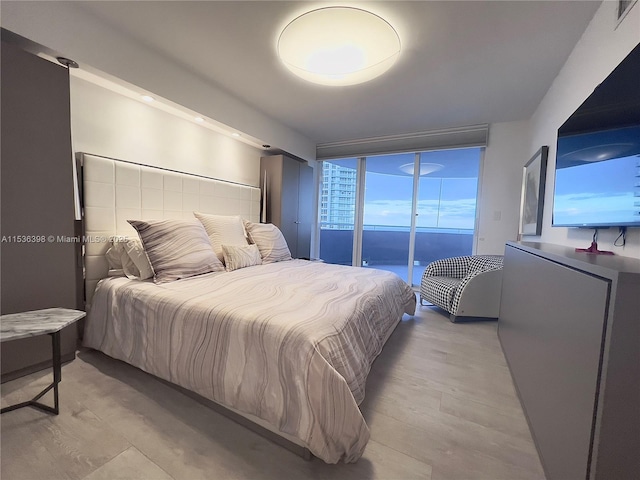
[(597, 176)]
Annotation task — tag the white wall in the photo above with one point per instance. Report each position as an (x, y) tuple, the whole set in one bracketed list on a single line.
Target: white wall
[(109, 124), (601, 48), (500, 185)]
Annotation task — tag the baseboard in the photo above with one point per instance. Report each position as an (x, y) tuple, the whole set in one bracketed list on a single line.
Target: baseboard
[(463, 319), (47, 364)]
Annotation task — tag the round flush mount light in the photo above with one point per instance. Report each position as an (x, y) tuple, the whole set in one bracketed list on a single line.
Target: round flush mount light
[(338, 46)]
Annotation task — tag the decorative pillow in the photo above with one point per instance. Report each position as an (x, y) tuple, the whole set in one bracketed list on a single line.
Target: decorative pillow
[(128, 255), (118, 258), (137, 255), (240, 256), (269, 240), (222, 230), (177, 248), (114, 255), (129, 268)]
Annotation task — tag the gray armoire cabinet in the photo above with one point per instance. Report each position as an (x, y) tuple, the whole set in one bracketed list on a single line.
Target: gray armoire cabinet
[(289, 200), (39, 269)]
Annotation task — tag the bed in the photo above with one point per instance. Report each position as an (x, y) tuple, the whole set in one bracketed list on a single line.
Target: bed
[(287, 345)]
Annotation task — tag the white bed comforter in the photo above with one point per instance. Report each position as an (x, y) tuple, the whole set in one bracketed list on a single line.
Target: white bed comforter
[(291, 342)]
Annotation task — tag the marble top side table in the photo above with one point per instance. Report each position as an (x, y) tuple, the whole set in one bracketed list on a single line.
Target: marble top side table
[(40, 322)]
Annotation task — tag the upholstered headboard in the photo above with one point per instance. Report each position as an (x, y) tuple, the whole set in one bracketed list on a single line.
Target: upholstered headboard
[(114, 191)]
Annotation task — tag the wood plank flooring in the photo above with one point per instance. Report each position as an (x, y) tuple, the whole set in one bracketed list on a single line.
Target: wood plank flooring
[(440, 404)]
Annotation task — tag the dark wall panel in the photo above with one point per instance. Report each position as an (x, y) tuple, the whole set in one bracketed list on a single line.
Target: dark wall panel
[(38, 268)]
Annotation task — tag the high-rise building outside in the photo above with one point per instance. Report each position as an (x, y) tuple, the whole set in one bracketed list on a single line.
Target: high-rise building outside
[(338, 199)]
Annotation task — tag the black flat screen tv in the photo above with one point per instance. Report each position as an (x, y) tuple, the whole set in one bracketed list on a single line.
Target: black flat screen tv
[(597, 176)]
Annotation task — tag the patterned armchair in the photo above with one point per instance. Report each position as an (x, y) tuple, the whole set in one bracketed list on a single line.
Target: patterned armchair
[(467, 287)]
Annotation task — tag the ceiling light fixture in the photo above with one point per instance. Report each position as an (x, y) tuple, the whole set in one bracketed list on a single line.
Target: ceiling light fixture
[(147, 98), (235, 134), (338, 46), (199, 119)]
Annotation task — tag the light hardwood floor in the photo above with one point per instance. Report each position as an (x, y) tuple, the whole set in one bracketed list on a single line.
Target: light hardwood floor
[(440, 404)]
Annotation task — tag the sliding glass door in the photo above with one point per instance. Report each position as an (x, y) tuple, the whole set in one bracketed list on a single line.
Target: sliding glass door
[(399, 212), (387, 216), (446, 206), (337, 210)]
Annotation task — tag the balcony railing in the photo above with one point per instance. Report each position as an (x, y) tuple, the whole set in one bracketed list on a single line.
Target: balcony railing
[(387, 247)]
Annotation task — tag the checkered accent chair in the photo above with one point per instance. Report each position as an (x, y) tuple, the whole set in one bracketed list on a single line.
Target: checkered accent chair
[(467, 287)]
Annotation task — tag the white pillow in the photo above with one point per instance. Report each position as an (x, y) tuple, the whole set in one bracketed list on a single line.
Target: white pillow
[(270, 241), (240, 256), (127, 254), (119, 259), (177, 248), (222, 230), (114, 255), (138, 256)]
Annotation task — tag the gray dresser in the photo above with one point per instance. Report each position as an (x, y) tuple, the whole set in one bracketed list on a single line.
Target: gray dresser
[(569, 327)]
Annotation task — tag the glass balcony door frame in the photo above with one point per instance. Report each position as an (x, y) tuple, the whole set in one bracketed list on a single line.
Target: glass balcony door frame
[(358, 231), (358, 221), (358, 228)]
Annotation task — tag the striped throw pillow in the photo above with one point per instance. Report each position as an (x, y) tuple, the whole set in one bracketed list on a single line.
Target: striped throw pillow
[(177, 248), (269, 240), (222, 230), (240, 256)]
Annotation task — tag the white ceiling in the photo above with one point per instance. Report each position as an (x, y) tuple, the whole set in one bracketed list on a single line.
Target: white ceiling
[(463, 62)]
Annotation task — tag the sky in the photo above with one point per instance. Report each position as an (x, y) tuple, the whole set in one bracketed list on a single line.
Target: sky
[(447, 197), (442, 203)]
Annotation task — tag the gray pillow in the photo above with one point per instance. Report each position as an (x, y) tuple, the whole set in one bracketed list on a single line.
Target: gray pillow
[(269, 240), (240, 256), (177, 248)]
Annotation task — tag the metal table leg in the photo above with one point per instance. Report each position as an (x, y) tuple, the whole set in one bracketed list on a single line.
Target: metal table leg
[(57, 377)]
